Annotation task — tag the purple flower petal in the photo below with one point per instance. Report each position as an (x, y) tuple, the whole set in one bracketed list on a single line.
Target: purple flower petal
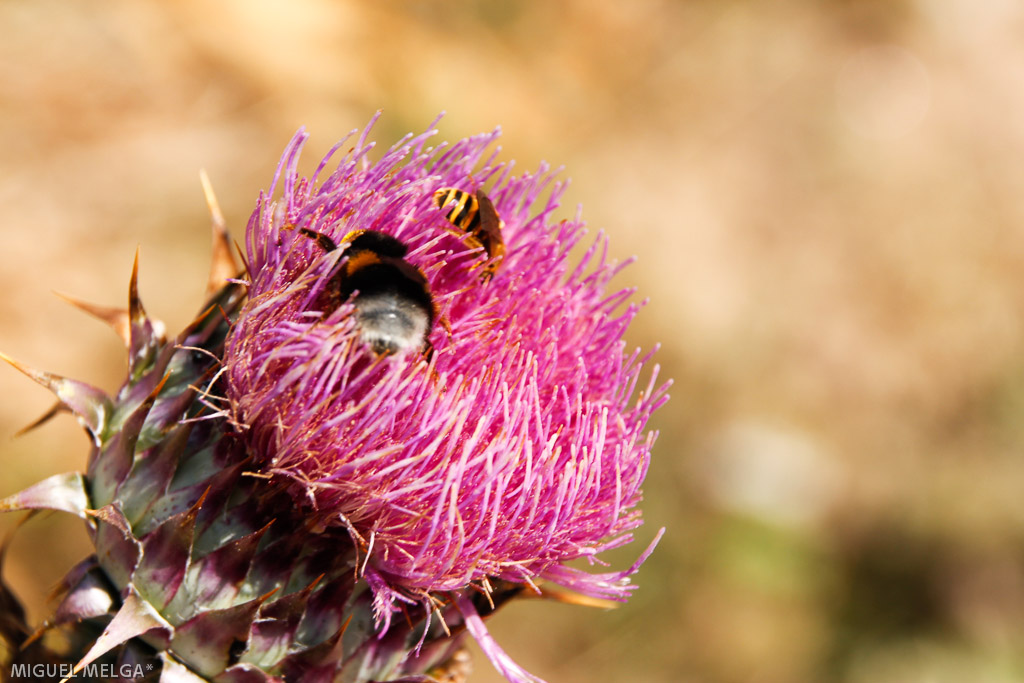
[(518, 445)]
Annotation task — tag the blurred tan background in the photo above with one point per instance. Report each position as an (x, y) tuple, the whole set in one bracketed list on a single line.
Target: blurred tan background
[(827, 203)]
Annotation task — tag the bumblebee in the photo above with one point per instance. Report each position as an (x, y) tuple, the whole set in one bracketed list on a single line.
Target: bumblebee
[(394, 309), (479, 222)]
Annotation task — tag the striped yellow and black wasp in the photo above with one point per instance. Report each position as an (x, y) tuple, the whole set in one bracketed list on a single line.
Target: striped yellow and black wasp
[(476, 217)]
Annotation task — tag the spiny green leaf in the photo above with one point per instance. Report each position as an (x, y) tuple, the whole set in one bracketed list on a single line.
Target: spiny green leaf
[(144, 338), (208, 640), (90, 405), (174, 671), (64, 492), (165, 557), (117, 549), (90, 596), (150, 476), (246, 673), (135, 618)]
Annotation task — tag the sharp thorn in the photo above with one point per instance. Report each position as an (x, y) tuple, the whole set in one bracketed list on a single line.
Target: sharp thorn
[(46, 417), (136, 312), (223, 265), (118, 318), (144, 333), (211, 201), (241, 256)]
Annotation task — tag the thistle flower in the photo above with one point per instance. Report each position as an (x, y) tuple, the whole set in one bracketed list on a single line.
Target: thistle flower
[(415, 407)]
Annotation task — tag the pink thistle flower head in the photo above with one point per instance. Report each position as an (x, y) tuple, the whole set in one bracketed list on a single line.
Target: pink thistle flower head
[(503, 434)]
